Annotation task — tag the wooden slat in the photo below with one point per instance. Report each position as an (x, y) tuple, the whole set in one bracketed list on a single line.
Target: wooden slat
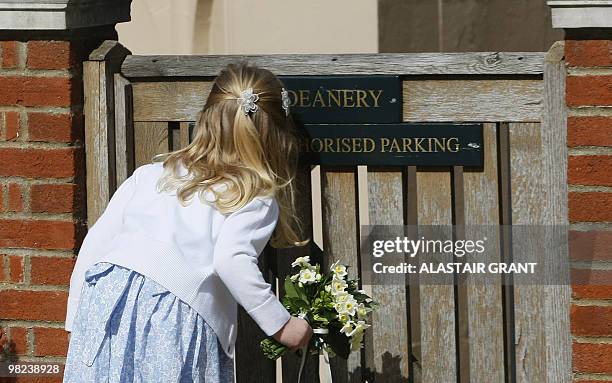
[(528, 198), (388, 356), (169, 101), (150, 138), (330, 64), (340, 244), (484, 301), (99, 109), (554, 143), (424, 100), (437, 306), (185, 135), (472, 100), (124, 128)]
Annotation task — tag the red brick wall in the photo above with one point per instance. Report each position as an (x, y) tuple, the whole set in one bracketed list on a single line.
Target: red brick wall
[(42, 186), (589, 99)]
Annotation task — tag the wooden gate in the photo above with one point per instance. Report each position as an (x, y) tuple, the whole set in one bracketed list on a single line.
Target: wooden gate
[(137, 106)]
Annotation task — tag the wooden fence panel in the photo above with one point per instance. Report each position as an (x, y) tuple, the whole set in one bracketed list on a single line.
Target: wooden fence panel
[(435, 333)]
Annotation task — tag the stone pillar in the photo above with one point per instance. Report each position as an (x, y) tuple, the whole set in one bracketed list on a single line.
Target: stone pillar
[(588, 56), (42, 169)]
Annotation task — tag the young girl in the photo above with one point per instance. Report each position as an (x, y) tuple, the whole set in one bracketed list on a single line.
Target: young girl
[(154, 292)]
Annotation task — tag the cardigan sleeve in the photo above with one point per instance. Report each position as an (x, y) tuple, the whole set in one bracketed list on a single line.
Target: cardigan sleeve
[(241, 240), (97, 238)]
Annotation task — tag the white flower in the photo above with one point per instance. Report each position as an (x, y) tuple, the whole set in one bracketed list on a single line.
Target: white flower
[(338, 286), (343, 318), (356, 341), (359, 328), (362, 311), (338, 269), (302, 262), (327, 288), (348, 327), (342, 296), (347, 306), (307, 276), (295, 277)]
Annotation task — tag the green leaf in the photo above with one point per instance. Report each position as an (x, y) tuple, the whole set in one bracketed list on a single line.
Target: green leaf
[(290, 288)]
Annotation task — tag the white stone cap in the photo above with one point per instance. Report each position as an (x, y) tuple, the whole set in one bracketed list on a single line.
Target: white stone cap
[(581, 13), (61, 14)]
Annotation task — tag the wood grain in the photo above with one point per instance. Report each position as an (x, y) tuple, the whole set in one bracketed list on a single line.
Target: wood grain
[(389, 350), (340, 244), (472, 100), (437, 306), (124, 128), (169, 101), (150, 138), (99, 110), (528, 198), (330, 64), (554, 143), (484, 298)]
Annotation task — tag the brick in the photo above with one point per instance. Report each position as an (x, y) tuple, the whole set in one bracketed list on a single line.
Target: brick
[(15, 268), (9, 54), (55, 127), (45, 163), (15, 197), (50, 341), (590, 170), (589, 90), (591, 320), (38, 234), (590, 245), (2, 207), (49, 55), (590, 207), (591, 284), (51, 270), (33, 305), (11, 125), (592, 357), (589, 131), (54, 198), (588, 53), (35, 91), (18, 340)]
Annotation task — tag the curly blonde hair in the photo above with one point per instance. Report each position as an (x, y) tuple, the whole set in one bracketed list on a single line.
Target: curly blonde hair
[(253, 154)]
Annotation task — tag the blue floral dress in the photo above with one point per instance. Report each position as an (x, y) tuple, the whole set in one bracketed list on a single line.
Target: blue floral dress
[(128, 328)]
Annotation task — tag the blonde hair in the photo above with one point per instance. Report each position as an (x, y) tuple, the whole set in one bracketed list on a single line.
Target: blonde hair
[(254, 154)]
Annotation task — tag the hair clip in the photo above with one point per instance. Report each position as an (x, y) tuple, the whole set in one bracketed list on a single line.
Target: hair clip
[(286, 101), (247, 101)]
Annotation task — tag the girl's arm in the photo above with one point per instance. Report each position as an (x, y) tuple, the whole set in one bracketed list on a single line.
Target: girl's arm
[(241, 240), (98, 237)]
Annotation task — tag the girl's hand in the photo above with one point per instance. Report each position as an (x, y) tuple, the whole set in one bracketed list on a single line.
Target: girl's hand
[(295, 334)]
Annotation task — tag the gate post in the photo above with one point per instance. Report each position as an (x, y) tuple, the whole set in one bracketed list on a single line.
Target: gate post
[(42, 169), (588, 56)]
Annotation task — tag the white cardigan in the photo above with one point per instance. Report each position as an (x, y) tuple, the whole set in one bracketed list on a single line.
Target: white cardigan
[(207, 259)]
